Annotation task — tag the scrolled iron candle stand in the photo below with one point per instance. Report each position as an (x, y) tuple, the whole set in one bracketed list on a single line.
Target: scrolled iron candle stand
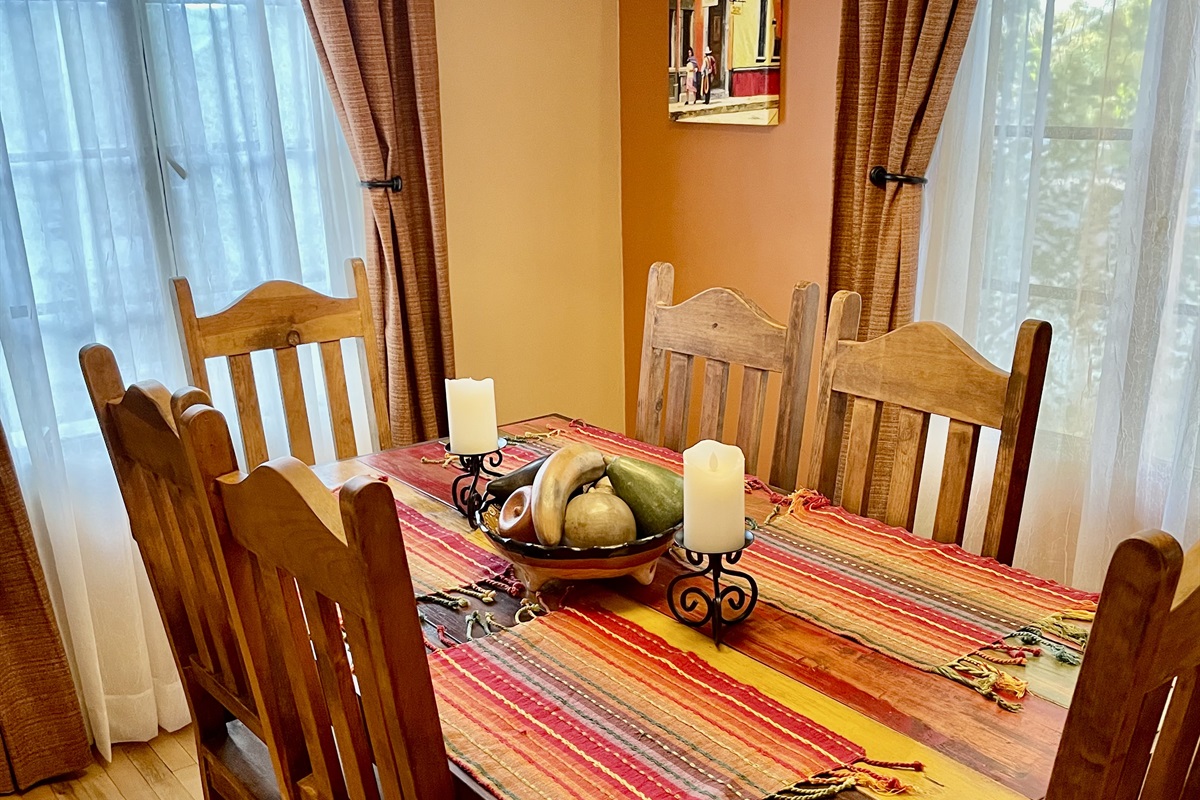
[(738, 599), (465, 489)]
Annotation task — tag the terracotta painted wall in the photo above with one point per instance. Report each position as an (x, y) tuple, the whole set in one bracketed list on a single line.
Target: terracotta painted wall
[(530, 121), (728, 206)]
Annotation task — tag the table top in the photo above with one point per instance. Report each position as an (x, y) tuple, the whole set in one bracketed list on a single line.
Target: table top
[(969, 746)]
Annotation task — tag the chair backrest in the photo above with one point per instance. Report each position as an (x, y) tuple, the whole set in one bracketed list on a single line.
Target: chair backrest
[(925, 368), (281, 316), (1134, 723), (170, 520), (331, 582), (724, 327)]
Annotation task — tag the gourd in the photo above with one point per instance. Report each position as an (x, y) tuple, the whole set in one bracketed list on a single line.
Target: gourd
[(565, 471), (516, 516), (597, 519), (500, 488), (653, 493)]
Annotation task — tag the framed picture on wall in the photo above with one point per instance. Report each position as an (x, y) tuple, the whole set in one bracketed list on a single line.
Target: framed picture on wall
[(725, 61)]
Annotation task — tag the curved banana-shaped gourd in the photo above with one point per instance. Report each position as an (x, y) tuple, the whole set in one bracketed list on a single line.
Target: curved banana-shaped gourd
[(564, 472)]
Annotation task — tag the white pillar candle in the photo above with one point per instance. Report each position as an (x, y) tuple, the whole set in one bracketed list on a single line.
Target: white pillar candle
[(471, 408), (714, 497)]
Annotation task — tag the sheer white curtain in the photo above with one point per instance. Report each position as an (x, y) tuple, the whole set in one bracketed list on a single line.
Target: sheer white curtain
[(138, 140), (1066, 186)]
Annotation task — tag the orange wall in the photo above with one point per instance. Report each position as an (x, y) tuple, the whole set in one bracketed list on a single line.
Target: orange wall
[(727, 205)]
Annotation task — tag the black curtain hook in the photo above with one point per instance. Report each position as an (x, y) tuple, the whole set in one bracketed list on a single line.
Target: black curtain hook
[(880, 177), (395, 184)]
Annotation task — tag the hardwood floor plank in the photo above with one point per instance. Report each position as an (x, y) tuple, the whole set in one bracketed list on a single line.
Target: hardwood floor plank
[(127, 777), (189, 776), (40, 792), (164, 783), (93, 784), (186, 738), (171, 752)]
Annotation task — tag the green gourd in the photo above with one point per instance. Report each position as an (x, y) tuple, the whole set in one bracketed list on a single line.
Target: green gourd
[(654, 494), (500, 488)]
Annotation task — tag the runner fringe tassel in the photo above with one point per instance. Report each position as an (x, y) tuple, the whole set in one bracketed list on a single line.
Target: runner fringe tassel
[(531, 436), (783, 504), (1060, 626), (1033, 636), (850, 777), (986, 679)]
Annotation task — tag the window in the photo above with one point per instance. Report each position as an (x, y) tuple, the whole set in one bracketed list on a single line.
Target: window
[(1066, 187)]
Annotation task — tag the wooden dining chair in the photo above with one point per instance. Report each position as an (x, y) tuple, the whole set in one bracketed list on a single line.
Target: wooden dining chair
[(242, 752), (724, 327), (328, 577), (1134, 722), (925, 368), (281, 316)]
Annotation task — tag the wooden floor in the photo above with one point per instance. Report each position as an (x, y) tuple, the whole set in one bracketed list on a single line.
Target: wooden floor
[(163, 769)]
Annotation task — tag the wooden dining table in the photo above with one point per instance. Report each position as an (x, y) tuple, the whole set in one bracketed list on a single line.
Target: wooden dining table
[(971, 749)]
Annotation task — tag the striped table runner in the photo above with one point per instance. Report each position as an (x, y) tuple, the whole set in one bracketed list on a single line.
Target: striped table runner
[(583, 703), (934, 606), (440, 558)]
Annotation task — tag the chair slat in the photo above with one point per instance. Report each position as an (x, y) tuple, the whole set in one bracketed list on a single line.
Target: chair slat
[(860, 455), (245, 395), (216, 613), (712, 403), (286, 639), (372, 693), (1191, 787), (340, 418), (912, 433), (962, 445), (181, 565), (679, 401), (295, 409), (750, 415), (337, 683), (1177, 740)]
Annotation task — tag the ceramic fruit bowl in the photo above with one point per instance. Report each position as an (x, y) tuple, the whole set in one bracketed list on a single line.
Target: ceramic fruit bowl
[(536, 564)]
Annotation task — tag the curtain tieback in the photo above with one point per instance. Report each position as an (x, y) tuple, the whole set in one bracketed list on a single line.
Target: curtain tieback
[(393, 184), (879, 176)]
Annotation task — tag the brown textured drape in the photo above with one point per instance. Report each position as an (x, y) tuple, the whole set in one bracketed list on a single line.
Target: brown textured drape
[(41, 724), (380, 63), (896, 67)]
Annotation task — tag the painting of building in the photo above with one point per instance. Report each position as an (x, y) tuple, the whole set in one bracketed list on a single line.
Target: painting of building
[(724, 61)]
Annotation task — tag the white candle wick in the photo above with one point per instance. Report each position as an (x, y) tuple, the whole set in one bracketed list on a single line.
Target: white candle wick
[(713, 464)]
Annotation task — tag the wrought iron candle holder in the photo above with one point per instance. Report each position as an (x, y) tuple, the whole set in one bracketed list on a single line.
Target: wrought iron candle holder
[(734, 598), (465, 489)]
